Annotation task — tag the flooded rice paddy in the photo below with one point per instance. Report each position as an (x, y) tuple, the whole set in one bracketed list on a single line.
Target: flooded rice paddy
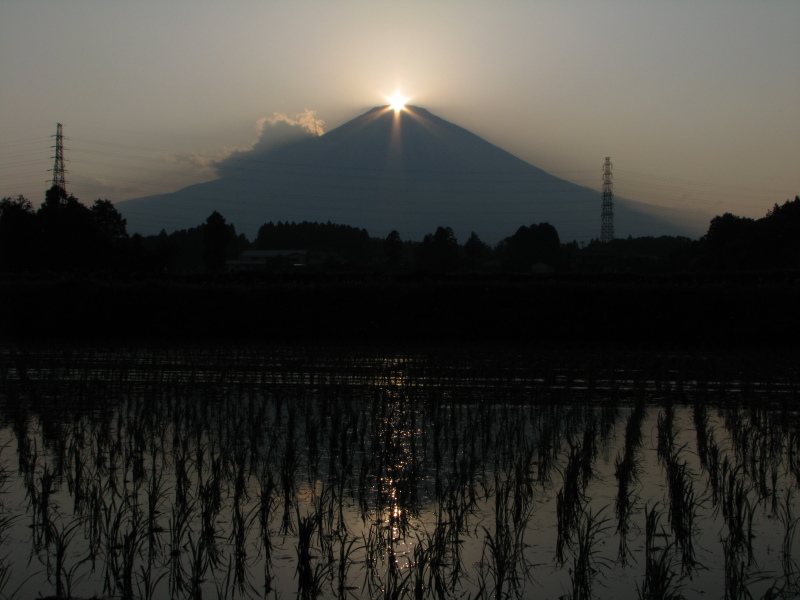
[(336, 473)]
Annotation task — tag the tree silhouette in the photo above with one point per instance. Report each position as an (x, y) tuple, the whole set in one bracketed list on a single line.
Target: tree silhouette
[(740, 243), (18, 234), (730, 242), (475, 250), (68, 233), (63, 235), (216, 237), (351, 243), (531, 245), (112, 244), (644, 254), (111, 226), (439, 252), (779, 235), (393, 249)]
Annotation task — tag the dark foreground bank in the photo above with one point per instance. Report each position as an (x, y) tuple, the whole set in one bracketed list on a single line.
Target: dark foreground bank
[(402, 311)]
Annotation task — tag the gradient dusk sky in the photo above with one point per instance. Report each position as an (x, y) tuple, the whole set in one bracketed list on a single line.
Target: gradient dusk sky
[(697, 103)]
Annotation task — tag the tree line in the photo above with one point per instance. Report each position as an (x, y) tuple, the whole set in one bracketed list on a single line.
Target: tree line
[(64, 235)]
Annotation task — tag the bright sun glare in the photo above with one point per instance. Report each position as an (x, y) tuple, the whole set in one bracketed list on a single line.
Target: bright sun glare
[(397, 102)]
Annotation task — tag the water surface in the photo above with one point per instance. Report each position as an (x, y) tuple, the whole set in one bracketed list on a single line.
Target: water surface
[(275, 472)]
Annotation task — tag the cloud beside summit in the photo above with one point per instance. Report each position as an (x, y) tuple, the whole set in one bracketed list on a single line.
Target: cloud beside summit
[(274, 132)]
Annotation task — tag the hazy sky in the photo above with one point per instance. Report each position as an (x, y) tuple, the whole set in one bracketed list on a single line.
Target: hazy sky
[(696, 102)]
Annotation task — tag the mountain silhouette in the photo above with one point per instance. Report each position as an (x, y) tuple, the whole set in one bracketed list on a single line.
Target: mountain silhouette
[(409, 170)]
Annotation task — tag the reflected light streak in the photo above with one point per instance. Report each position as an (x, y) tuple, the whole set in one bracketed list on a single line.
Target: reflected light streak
[(398, 501)]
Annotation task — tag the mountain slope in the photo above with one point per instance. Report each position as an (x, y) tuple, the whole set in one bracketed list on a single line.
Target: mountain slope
[(410, 171)]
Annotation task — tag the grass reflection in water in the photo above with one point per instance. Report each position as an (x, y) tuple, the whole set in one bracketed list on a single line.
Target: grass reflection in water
[(249, 472)]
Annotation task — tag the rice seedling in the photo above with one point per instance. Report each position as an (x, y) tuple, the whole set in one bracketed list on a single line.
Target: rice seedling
[(683, 504), (198, 565), (667, 434), (146, 584), (419, 566), (242, 524), (6, 522), (569, 503), (210, 499), (587, 562), (39, 496), (588, 450), (738, 578), (309, 579), (503, 566), (178, 527), (438, 554), (737, 511), (503, 560), (224, 585), (548, 448), (793, 454), (791, 571), (124, 542), (290, 463), (75, 474), (157, 494), (181, 459), (312, 432), (661, 580), (714, 469), (701, 426), (266, 504), (345, 562), (626, 468), (5, 579), (61, 538)]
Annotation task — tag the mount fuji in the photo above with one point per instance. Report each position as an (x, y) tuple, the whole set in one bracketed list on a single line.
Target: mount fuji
[(406, 170)]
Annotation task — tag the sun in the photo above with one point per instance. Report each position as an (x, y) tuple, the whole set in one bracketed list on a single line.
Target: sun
[(397, 102)]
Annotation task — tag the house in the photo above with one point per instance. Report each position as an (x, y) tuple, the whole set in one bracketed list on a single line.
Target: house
[(279, 260), (269, 260)]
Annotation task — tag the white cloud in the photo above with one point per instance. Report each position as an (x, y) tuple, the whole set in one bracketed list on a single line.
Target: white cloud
[(307, 120), (273, 132)]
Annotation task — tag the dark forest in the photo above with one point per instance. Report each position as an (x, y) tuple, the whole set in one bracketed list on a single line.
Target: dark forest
[(73, 270)]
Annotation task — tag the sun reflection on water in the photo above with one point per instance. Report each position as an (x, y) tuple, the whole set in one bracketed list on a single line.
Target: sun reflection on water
[(398, 504)]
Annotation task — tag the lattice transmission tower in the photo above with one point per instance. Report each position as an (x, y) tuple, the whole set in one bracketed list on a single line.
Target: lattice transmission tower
[(607, 227), (58, 164)]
